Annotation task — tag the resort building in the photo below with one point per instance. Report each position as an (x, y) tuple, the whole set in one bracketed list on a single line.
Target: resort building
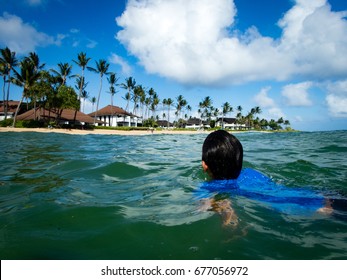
[(230, 123), (196, 123), (116, 116), (66, 116), (11, 109), (164, 124)]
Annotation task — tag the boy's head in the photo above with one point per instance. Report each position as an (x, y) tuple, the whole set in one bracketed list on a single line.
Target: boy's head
[(222, 155)]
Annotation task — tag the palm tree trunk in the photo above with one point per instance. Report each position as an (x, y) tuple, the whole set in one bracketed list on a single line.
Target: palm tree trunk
[(111, 122), (17, 110), (168, 117), (74, 118), (97, 103), (35, 109), (4, 95), (8, 96)]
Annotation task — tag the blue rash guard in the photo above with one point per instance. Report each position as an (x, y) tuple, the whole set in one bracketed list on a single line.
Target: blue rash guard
[(254, 185)]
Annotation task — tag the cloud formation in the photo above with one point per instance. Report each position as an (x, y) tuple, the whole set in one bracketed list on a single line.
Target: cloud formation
[(194, 43), (115, 59), (35, 2), (22, 37), (264, 101), (262, 98), (337, 98), (297, 94)]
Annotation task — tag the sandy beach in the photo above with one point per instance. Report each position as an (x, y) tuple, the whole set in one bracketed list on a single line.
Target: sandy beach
[(100, 131)]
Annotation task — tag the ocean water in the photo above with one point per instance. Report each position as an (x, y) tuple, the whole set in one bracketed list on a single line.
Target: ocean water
[(132, 197)]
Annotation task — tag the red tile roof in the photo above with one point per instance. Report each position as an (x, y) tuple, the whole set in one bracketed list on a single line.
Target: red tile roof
[(12, 106), (111, 110), (67, 114)]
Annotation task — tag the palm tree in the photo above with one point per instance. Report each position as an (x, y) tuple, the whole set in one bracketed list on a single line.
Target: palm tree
[(239, 116), (226, 109), (168, 102), (127, 98), (26, 78), (154, 104), (137, 93), (205, 105), (80, 83), (181, 103), (142, 101), (63, 73), (35, 60), (273, 124), (129, 85), (8, 62), (112, 80), (93, 101), (263, 124), (101, 68), (148, 101), (189, 109), (279, 122), (85, 96), (249, 118), (3, 73), (215, 113), (257, 110), (82, 61)]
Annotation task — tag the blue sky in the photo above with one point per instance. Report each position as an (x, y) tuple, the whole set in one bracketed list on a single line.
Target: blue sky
[(289, 57)]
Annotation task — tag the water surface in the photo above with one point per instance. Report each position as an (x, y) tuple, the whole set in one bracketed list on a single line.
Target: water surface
[(132, 197)]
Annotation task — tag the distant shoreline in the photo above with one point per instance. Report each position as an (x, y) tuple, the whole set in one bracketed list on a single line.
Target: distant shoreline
[(111, 131), (117, 132), (100, 131)]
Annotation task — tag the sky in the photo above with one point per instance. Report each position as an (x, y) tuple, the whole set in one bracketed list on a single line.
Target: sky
[(289, 57)]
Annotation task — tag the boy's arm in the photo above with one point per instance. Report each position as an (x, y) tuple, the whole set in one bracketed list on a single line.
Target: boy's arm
[(223, 207)]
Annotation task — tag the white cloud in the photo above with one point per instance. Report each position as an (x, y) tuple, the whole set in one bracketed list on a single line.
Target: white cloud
[(263, 100), (35, 2), (75, 44), (74, 30), (115, 59), (22, 37), (189, 41), (276, 113), (315, 38), (337, 98), (298, 119), (297, 94), (272, 111), (91, 44)]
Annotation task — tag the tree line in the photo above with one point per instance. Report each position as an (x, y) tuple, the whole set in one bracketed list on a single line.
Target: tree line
[(48, 89)]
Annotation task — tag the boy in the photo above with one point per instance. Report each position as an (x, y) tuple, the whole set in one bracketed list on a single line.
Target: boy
[(222, 156)]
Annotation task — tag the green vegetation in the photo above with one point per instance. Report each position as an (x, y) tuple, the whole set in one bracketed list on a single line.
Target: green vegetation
[(22, 124), (48, 89), (122, 128)]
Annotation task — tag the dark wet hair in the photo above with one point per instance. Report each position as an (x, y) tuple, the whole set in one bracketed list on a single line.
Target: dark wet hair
[(223, 154)]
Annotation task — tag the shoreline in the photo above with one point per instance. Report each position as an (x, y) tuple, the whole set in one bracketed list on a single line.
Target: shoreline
[(115, 131), (100, 131)]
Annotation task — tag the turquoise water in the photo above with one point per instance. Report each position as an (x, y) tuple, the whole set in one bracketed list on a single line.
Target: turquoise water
[(132, 197)]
